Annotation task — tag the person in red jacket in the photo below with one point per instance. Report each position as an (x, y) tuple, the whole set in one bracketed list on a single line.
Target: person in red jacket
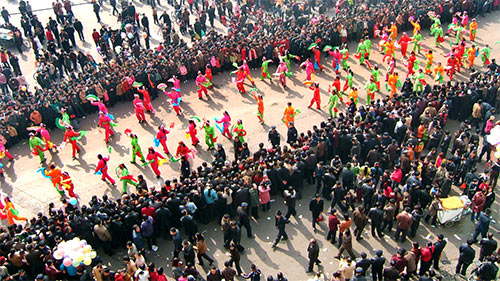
[(139, 109), (333, 225), (403, 42), (102, 166), (478, 202), (426, 258), (396, 176), (154, 158), (317, 57), (316, 96)]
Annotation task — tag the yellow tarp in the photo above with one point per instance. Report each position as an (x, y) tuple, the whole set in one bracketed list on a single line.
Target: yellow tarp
[(452, 203)]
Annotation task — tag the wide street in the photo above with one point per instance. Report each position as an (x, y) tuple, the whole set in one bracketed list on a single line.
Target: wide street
[(31, 192)]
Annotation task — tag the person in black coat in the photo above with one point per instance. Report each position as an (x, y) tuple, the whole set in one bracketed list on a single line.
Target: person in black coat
[(280, 223), (291, 134), (316, 208), (274, 137), (163, 217), (466, 257), (438, 249), (364, 263), (313, 254), (376, 215), (185, 168), (244, 218), (378, 265), (488, 246)]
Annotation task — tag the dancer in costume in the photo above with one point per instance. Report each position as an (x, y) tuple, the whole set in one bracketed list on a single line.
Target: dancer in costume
[(264, 69), (260, 107), (289, 114), (192, 133), (333, 102), (309, 69), (71, 136), (97, 102), (161, 137), (390, 68), (64, 121), (288, 58), (473, 30), (428, 62), (239, 131), (370, 88), (471, 55), (201, 81), (392, 82), (3, 151), (182, 150), (139, 109), (403, 43), (345, 55), (376, 76), (37, 147), (105, 122), (67, 183), (125, 177), (153, 158), (317, 57), (336, 58), (439, 73), (102, 168), (361, 54), (209, 76), (411, 63), (282, 71), (348, 80), (393, 30), (226, 123), (416, 25), (44, 133), (485, 54), (210, 137), (389, 49), (148, 106), (451, 66), (368, 44), (417, 42), (11, 212), (336, 84), (436, 29), (176, 83), (56, 177), (419, 84), (240, 79), (248, 75), (136, 148)]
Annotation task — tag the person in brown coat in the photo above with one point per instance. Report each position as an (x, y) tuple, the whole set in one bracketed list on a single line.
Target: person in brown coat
[(411, 264), (346, 245), (360, 220), (404, 222)]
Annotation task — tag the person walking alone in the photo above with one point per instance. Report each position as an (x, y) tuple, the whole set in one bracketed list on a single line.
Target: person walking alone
[(280, 223)]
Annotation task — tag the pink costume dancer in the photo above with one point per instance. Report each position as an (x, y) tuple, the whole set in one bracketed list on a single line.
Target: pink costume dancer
[(176, 101), (105, 122), (192, 133), (139, 109), (102, 166), (282, 70), (246, 68), (100, 105), (161, 136), (44, 133), (337, 56), (3, 150), (309, 69), (200, 82), (154, 156), (226, 123)]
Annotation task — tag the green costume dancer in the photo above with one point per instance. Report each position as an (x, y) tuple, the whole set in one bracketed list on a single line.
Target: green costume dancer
[(370, 88), (485, 54), (376, 76), (348, 83), (125, 177), (345, 55), (136, 148), (287, 58), (419, 79), (210, 138), (458, 30), (368, 44), (361, 52), (333, 102), (264, 69), (240, 132), (36, 147), (436, 29), (417, 39)]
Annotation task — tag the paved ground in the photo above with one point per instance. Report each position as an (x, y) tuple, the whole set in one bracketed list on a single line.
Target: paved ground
[(31, 192)]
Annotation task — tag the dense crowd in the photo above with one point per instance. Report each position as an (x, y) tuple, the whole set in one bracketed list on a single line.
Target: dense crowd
[(66, 76)]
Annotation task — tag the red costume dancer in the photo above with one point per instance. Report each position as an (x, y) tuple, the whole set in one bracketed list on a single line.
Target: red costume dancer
[(226, 123), (192, 133), (451, 65), (68, 184), (200, 82), (317, 57), (240, 78), (336, 84), (44, 133), (316, 97), (403, 42), (3, 151), (105, 122), (69, 136), (282, 70), (139, 109), (161, 136), (209, 76), (182, 150), (102, 166), (147, 100), (411, 63), (154, 157), (56, 178)]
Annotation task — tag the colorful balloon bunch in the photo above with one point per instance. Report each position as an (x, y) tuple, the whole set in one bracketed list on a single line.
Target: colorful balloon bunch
[(74, 252)]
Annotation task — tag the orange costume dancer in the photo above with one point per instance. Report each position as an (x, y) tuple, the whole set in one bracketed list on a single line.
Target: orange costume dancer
[(316, 96), (105, 122), (416, 25), (473, 30), (393, 31), (56, 178), (260, 107), (192, 133), (289, 114), (70, 136), (11, 213), (246, 68), (209, 76), (439, 73), (393, 80), (240, 78), (389, 50), (471, 55)]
